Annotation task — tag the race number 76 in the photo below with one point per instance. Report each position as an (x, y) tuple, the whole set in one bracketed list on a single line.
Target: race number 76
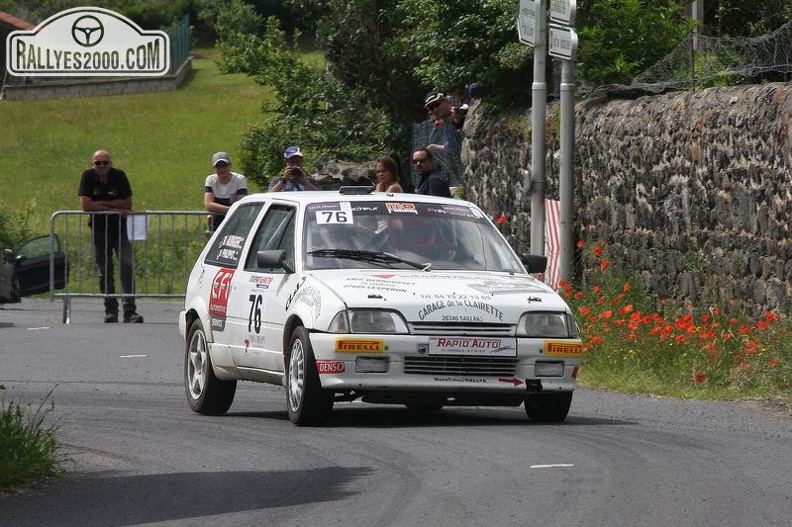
[(324, 217), (254, 318)]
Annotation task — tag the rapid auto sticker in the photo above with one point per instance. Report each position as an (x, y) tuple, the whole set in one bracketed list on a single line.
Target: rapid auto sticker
[(477, 346), (218, 298)]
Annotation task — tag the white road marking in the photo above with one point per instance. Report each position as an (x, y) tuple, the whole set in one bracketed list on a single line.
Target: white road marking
[(38, 328), (555, 465), (132, 356)]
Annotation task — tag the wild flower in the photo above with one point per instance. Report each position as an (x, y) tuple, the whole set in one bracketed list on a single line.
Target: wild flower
[(623, 333)]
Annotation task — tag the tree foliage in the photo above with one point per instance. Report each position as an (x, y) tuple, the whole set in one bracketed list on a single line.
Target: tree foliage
[(312, 107), (616, 44), (148, 14)]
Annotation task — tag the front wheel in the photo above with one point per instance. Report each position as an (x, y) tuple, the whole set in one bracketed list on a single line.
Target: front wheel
[(306, 402), (206, 393), (548, 407)]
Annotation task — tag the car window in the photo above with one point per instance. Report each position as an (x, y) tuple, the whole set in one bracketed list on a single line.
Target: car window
[(275, 232), (38, 247), (447, 236), (226, 248)]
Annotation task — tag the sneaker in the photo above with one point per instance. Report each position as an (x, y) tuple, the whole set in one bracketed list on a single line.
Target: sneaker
[(133, 317), (111, 316)]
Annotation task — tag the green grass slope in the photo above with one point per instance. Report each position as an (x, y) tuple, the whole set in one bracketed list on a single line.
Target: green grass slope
[(164, 141)]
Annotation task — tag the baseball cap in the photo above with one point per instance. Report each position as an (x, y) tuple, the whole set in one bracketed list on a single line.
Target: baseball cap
[(432, 97), (292, 151), (220, 156)]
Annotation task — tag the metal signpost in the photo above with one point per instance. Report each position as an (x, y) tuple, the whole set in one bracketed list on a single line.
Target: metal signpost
[(532, 16), (563, 45)]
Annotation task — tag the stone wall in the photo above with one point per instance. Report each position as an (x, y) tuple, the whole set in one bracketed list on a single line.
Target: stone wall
[(690, 191)]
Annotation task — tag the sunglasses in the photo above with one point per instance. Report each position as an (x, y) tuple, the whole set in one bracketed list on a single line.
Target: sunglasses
[(221, 165), (420, 160), (102, 163), (432, 107)]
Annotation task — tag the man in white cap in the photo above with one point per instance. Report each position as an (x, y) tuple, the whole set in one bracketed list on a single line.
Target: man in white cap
[(222, 189), (294, 176)]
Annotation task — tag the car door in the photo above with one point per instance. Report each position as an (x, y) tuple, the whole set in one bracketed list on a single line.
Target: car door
[(223, 264), (260, 322), (33, 265)]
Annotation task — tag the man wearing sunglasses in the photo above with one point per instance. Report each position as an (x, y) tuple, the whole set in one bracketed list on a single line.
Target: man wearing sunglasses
[(104, 188), (432, 182)]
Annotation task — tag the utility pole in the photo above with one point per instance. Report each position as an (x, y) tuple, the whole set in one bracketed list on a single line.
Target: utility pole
[(563, 45), (532, 30)]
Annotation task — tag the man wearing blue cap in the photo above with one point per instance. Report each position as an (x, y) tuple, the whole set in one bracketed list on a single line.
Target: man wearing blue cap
[(294, 176)]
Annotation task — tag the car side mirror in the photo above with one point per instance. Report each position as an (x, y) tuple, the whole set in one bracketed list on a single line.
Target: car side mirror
[(534, 263), (273, 258), (9, 256)]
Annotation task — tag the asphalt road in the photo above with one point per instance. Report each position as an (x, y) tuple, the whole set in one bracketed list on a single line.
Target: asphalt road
[(138, 456)]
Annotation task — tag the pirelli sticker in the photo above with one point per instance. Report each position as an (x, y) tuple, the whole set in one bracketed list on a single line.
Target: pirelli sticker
[(563, 348), (360, 345)]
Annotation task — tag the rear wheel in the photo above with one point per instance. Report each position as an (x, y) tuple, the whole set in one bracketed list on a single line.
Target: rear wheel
[(206, 393), (548, 407), (306, 402)]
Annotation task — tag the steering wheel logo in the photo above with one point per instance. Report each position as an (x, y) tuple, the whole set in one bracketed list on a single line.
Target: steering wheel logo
[(87, 31)]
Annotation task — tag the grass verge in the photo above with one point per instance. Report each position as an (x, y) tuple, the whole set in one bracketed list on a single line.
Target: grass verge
[(29, 450), (163, 141)]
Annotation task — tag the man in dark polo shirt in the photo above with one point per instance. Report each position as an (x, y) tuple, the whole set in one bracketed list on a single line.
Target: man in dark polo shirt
[(104, 188)]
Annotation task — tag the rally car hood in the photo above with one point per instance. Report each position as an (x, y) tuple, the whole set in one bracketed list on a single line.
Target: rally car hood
[(438, 295)]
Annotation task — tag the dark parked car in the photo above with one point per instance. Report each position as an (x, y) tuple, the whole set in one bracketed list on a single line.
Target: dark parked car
[(26, 271)]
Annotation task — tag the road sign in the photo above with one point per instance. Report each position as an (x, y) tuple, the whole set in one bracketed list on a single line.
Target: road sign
[(563, 12), (528, 21), (563, 43)]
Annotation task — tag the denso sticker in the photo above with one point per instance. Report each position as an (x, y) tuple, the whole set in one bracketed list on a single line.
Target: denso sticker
[(330, 366), (359, 345), (478, 346), (563, 349)]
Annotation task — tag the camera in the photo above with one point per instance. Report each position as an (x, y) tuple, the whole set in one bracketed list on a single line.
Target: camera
[(295, 172)]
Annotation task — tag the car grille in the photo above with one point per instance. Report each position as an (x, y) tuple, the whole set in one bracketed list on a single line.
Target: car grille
[(478, 366), (463, 329)]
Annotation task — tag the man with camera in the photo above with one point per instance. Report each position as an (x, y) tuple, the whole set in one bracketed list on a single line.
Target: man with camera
[(446, 136), (294, 176)]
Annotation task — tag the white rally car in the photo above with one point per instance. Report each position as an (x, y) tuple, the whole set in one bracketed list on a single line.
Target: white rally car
[(388, 298)]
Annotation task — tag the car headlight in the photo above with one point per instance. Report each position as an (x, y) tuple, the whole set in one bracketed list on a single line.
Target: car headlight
[(368, 321), (544, 324)]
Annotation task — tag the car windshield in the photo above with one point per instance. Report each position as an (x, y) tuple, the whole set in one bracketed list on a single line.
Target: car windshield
[(403, 235)]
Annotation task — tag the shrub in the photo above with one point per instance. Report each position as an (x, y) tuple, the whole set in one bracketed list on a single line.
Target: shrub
[(28, 448)]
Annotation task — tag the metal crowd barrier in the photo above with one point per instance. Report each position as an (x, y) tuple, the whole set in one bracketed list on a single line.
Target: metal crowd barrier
[(165, 245)]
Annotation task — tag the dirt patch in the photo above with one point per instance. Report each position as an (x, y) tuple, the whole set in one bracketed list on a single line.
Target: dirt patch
[(772, 406)]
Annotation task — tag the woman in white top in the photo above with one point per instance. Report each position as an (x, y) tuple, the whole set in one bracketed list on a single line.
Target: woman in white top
[(222, 189)]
